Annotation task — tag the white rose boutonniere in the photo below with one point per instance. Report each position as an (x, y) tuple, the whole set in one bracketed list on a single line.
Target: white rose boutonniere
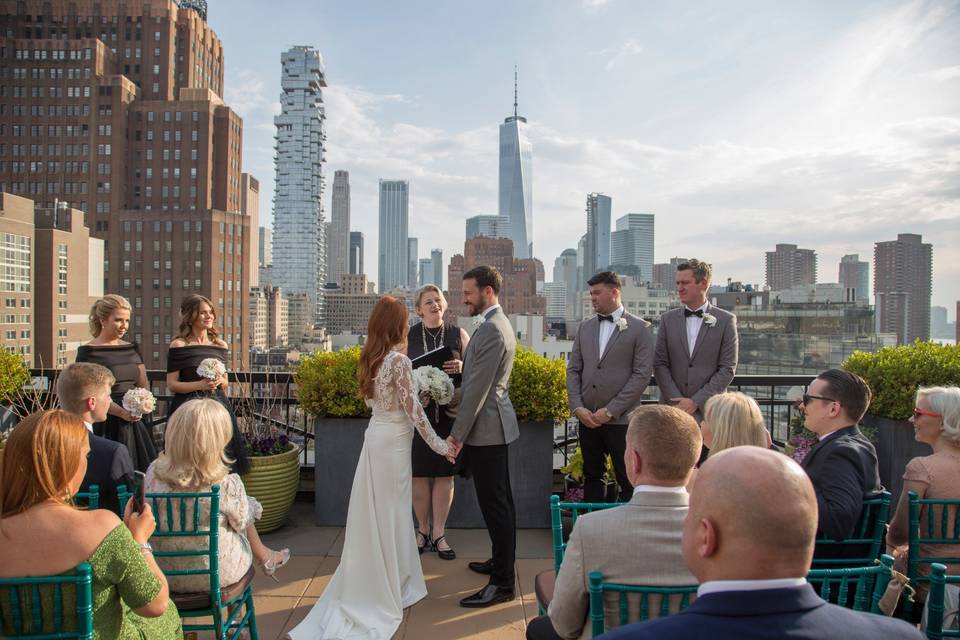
[(477, 321), (621, 324), (709, 319)]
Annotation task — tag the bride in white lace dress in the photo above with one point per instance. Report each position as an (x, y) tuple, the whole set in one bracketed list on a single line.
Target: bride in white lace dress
[(379, 573)]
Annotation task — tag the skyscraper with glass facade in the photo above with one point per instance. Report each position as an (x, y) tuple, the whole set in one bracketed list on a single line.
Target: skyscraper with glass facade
[(299, 256), (516, 181), (393, 267)]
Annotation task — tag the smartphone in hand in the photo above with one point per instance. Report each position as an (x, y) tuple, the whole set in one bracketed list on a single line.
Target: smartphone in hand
[(138, 498)]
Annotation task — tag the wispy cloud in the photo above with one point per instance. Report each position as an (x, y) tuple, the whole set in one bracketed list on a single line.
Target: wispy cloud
[(619, 55), (594, 5)]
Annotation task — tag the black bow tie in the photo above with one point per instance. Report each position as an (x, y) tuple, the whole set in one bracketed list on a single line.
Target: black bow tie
[(604, 318), (687, 313)]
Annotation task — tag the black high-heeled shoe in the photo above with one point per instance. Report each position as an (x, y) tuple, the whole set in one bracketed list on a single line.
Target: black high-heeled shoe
[(427, 543), (444, 554)]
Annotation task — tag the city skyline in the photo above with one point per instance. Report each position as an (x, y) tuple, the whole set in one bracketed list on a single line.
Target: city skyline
[(826, 155)]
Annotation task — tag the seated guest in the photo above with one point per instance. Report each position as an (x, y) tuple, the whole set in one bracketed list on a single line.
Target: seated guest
[(936, 421), (748, 538), (731, 419), (43, 534), (639, 542), (83, 389), (843, 465), (194, 461)]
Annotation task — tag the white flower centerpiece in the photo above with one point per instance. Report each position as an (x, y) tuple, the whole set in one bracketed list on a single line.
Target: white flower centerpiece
[(138, 401), (211, 369), (434, 383)]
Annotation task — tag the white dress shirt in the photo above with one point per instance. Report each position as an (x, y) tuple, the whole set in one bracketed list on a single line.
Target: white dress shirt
[(719, 586), (607, 328), (88, 426), (693, 326), (652, 488), (486, 313)]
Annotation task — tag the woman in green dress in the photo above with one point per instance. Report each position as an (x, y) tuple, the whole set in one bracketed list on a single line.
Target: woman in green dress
[(43, 534)]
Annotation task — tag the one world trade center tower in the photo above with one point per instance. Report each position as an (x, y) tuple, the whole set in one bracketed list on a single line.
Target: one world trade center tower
[(516, 180)]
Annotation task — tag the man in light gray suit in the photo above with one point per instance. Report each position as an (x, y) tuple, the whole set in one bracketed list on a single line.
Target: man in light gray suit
[(608, 371), (697, 349), (638, 543), (485, 425)]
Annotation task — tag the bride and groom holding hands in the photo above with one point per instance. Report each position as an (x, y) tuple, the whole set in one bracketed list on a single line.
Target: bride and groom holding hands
[(380, 573)]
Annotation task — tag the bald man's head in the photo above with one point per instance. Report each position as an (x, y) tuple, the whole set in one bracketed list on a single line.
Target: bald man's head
[(750, 504)]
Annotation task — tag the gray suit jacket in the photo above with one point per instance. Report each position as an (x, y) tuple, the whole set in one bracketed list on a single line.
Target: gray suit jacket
[(711, 367), (615, 379), (485, 415), (638, 543)]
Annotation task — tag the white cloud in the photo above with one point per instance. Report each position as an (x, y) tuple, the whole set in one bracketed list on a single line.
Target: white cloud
[(618, 55)]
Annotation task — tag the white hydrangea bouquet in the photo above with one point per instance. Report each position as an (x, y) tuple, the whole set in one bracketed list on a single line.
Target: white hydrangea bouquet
[(139, 401), (211, 369), (435, 383)]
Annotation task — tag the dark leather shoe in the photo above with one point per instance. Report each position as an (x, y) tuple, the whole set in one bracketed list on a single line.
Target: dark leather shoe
[(485, 567), (488, 596)]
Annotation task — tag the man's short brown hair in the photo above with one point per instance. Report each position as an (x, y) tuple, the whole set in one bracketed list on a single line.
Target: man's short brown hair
[(79, 381), (701, 270), (485, 276), (667, 439)]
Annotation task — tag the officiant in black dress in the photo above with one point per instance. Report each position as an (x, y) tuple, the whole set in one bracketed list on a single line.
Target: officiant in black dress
[(109, 322), (432, 474)]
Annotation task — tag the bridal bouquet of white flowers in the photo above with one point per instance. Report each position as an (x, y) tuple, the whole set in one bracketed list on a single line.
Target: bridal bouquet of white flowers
[(435, 383), (139, 401), (211, 369)]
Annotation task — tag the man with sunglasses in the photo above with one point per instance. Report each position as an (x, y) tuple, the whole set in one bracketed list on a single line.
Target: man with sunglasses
[(843, 465)]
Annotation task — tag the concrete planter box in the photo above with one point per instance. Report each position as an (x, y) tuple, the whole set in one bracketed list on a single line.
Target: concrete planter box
[(338, 445), (896, 446)]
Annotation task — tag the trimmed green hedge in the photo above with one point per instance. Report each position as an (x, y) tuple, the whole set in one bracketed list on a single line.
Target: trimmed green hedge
[(895, 373), (327, 386)]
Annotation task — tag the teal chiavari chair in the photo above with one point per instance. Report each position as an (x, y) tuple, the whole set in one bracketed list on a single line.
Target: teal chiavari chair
[(663, 600), (178, 516), (867, 537), (89, 498), (43, 608), (942, 527), (935, 603), (857, 588)]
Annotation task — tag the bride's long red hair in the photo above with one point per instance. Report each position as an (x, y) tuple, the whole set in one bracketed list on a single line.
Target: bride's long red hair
[(386, 329)]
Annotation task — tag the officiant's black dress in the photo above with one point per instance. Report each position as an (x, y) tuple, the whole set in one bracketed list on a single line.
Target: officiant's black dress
[(124, 362), (426, 463), (186, 360)]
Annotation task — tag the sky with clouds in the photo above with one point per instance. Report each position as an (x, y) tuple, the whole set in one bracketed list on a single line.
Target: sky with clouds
[(739, 124)]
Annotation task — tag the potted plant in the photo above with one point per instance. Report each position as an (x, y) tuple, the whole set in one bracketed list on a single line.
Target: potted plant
[(894, 374), (13, 377), (573, 479), (274, 474), (329, 391)]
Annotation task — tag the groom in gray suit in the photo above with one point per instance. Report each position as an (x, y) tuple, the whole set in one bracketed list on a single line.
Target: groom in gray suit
[(485, 425), (697, 348), (609, 369)]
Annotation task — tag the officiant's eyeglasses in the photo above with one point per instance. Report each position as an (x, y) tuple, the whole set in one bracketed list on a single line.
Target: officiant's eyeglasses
[(807, 398)]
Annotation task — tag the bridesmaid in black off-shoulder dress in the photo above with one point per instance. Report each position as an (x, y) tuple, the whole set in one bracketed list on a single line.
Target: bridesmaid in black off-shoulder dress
[(198, 341), (109, 322)]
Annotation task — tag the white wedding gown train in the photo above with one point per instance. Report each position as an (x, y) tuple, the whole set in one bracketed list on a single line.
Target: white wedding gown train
[(379, 573)]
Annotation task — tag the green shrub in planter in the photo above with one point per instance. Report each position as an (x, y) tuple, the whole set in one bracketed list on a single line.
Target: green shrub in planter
[(538, 387), (13, 375), (327, 385), (895, 373)]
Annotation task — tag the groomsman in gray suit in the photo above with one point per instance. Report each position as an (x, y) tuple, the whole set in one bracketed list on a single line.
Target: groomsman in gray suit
[(608, 371), (697, 349), (485, 425)]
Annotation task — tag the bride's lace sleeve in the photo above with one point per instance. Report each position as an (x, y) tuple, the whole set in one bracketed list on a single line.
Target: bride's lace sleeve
[(407, 397)]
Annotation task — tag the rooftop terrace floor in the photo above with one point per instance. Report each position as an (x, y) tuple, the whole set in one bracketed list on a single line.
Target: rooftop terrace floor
[(316, 553)]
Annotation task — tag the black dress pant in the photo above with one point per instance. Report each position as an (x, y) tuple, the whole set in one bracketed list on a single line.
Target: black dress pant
[(491, 478), (595, 445), (540, 628)]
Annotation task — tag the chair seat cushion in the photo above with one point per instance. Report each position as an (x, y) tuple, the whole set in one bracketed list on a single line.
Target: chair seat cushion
[(201, 600), (543, 585)]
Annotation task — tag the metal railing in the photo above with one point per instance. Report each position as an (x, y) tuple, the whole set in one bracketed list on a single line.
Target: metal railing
[(272, 397)]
